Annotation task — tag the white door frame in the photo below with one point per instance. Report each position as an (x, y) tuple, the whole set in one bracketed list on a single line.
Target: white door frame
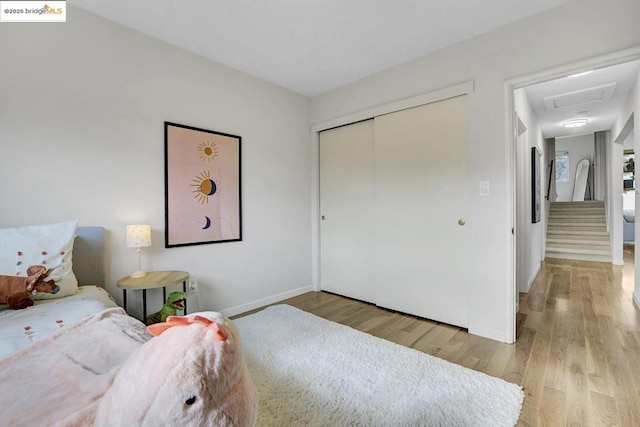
[(520, 129), (511, 132)]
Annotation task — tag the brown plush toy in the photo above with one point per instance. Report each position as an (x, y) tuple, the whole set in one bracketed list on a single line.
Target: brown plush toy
[(16, 290)]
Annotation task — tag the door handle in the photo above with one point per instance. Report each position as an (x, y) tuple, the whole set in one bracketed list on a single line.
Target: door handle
[(322, 217), (461, 221)]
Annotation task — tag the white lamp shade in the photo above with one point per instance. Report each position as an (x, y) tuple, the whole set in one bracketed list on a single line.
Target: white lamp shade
[(138, 236)]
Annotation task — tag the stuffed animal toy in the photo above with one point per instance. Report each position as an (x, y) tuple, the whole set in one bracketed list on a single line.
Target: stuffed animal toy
[(175, 302), (192, 373), (16, 290)]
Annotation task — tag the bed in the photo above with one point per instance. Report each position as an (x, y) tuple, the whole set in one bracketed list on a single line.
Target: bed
[(20, 328), (629, 225), (629, 216), (75, 358)]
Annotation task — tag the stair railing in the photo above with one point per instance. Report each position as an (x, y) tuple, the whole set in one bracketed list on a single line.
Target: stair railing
[(549, 181)]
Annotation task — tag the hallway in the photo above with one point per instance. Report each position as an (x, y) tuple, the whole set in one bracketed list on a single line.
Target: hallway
[(584, 332)]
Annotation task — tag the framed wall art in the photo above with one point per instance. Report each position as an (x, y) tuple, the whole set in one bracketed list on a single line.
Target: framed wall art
[(202, 186)]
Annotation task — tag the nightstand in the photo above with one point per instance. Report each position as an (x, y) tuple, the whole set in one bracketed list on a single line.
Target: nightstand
[(153, 279)]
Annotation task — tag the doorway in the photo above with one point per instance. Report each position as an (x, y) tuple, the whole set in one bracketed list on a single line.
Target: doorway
[(578, 103)]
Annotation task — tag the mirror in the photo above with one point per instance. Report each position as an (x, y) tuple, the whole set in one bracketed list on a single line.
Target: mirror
[(580, 184)]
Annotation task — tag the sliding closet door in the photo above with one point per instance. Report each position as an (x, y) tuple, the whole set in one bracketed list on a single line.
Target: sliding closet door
[(347, 206), (422, 200)]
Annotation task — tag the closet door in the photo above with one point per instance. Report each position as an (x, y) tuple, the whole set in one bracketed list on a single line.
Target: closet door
[(347, 206), (422, 198)]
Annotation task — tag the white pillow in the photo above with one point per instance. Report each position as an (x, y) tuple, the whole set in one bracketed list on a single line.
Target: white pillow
[(50, 245)]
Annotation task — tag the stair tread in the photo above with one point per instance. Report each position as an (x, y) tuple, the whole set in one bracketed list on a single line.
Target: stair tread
[(585, 203), (579, 251), (604, 251), (578, 230), (572, 215), (577, 218), (555, 242), (578, 224), (590, 233), (582, 257), (577, 246), (578, 227)]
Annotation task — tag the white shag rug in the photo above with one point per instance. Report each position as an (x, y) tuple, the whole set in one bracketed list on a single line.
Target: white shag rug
[(313, 372)]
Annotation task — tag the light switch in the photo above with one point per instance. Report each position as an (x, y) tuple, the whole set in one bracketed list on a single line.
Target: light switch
[(485, 188)]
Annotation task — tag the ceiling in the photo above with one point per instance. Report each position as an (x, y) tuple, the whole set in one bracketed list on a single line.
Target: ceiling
[(597, 96), (311, 47)]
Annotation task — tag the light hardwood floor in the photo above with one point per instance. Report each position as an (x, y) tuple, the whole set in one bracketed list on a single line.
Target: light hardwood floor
[(577, 353)]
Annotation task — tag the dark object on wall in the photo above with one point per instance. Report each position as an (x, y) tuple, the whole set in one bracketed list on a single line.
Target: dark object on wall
[(202, 186), (551, 173), (535, 185), (628, 184)]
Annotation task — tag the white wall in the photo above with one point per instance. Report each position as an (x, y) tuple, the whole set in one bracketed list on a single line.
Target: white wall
[(529, 236), (82, 107), (614, 199), (579, 147), (575, 31)]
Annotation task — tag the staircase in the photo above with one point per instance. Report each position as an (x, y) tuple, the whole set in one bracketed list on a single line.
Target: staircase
[(578, 230)]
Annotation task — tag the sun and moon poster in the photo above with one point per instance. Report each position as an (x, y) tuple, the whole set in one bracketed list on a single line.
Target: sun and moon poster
[(202, 185)]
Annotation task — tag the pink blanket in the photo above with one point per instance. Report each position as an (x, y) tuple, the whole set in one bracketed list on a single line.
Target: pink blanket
[(59, 379)]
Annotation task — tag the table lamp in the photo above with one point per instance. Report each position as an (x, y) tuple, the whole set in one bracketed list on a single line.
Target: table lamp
[(138, 236)]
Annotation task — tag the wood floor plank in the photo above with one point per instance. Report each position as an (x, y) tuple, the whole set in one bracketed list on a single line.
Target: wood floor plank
[(578, 405), (624, 390), (499, 360), (598, 369), (590, 318), (478, 355), (537, 364), (514, 371), (434, 340), (604, 410), (528, 416), (416, 333), (452, 349), (555, 369), (553, 411)]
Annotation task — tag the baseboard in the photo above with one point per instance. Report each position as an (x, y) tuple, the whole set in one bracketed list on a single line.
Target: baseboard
[(530, 280), (242, 308), (490, 333), (617, 262), (533, 277)]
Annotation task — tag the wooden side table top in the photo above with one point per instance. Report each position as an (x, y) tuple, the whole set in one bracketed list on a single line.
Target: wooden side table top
[(154, 279)]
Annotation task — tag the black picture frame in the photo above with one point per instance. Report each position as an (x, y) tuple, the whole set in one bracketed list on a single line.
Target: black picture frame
[(535, 186), (203, 186)]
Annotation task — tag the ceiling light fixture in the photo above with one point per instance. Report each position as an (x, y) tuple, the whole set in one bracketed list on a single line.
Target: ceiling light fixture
[(584, 73), (574, 123)]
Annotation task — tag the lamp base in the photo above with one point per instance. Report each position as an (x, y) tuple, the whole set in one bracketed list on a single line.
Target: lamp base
[(138, 274)]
